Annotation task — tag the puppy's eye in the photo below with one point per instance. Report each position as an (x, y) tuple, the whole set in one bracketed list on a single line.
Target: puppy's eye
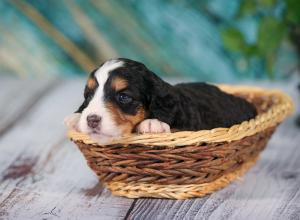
[(124, 98)]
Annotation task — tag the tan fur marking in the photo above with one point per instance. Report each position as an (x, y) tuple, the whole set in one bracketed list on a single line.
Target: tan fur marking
[(127, 123), (91, 83), (119, 84)]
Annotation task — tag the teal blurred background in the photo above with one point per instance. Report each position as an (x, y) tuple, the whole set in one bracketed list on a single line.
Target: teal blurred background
[(216, 40)]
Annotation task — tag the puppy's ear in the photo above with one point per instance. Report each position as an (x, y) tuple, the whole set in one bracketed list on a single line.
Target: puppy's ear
[(163, 108), (162, 101)]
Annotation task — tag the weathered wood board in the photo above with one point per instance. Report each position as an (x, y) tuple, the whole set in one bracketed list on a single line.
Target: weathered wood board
[(17, 96), (44, 176)]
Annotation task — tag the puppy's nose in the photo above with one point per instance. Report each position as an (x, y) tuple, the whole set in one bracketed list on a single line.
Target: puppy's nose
[(93, 120)]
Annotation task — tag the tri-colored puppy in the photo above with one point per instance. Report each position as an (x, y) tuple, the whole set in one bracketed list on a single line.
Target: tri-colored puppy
[(123, 96)]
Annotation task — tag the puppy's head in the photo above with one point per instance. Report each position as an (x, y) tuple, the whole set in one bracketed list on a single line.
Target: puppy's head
[(117, 97)]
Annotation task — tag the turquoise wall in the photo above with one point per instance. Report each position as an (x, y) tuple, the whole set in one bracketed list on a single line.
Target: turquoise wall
[(174, 38)]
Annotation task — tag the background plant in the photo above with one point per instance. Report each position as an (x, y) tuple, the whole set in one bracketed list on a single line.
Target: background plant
[(278, 22)]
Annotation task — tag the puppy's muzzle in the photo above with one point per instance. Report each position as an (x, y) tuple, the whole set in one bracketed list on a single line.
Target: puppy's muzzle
[(93, 121)]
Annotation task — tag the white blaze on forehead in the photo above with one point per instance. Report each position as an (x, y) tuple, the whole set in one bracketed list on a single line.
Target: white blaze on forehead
[(102, 73), (97, 105)]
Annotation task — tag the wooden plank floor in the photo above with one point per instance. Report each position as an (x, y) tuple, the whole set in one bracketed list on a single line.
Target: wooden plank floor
[(44, 176)]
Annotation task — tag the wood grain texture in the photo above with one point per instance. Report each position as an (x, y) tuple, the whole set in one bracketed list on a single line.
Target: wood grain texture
[(271, 190), (43, 175), (18, 96)]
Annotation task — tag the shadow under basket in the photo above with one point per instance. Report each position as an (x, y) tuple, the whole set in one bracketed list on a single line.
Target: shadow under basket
[(186, 164)]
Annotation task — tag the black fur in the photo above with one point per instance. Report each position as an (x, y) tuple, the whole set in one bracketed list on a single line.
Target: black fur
[(188, 106), (133, 90), (197, 106), (88, 93)]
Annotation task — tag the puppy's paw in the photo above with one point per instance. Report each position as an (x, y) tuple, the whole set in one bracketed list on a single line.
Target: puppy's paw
[(152, 126), (71, 121)]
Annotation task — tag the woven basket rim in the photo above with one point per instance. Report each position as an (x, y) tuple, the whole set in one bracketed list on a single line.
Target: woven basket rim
[(273, 116)]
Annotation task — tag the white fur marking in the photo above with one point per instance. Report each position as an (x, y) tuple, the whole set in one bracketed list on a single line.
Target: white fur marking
[(153, 126), (96, 106)]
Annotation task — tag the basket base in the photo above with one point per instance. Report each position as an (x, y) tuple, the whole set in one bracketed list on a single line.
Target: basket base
[(139, 190)]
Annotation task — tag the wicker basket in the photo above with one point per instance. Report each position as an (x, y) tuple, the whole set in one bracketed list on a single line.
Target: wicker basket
[(186, 164)]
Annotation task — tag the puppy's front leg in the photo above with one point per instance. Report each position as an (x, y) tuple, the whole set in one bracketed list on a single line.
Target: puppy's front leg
[(152, 126)]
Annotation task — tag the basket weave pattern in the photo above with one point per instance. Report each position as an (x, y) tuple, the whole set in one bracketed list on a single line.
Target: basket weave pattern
[(186, 164)]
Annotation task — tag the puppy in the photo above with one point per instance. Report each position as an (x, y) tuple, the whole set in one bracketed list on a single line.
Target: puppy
[(123, 96)]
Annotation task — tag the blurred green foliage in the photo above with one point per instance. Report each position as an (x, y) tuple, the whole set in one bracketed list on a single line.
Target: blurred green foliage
[(273, 29)]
